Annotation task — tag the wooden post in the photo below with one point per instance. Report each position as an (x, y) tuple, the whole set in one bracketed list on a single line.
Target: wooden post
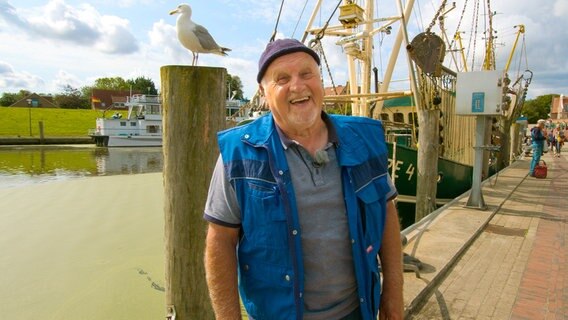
[(515, 145), (41, 135), (504, 153), (194, 111), (427, 163)]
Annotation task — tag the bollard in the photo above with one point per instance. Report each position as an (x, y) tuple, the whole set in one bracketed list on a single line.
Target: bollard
[(41, 135), (193, 100)]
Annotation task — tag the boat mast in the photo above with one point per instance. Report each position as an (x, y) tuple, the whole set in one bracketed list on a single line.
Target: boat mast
[(357, 44), (411, 70), (394, 54), (489, 61), (311, 21), (367, 59)]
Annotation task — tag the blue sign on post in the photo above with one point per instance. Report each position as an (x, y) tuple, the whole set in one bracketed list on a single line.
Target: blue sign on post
[(477, 102)]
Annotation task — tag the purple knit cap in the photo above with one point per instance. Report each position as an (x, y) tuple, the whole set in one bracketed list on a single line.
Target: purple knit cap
[(278, 48)]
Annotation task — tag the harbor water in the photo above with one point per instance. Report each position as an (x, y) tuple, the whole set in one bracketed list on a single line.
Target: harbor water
[(25, 165), (81, 232)]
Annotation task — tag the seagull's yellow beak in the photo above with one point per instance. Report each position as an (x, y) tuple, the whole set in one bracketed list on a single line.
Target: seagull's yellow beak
[(174, 11)]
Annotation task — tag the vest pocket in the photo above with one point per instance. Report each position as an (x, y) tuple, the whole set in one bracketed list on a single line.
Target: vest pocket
[(266, 289), (264, 220), (372, 206)]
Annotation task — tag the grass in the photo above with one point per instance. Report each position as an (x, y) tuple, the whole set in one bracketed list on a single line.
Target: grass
[(15, 122)]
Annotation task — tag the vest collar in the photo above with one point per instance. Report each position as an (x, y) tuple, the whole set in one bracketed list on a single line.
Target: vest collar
[(351, 149)]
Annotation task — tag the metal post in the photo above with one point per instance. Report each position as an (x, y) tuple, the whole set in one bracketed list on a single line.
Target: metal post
[(30, 114), (475, 196)]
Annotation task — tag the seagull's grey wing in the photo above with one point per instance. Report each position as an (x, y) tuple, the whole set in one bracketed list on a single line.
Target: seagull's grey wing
[(205, 38)]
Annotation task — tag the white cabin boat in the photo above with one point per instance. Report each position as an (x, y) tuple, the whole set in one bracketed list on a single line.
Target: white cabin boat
[(141, 128)]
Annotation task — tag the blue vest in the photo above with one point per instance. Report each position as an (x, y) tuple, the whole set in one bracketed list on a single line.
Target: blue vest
[(270, 263), (538, 137)]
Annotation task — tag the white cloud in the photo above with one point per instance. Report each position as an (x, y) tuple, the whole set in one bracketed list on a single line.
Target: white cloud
[(82, 25), (63, 79), (561, 8), (76, 42), (115, 37), (15, 81), (163, 37)]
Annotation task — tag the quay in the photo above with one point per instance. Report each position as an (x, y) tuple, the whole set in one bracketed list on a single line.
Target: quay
[(45, 140), (506, 262)]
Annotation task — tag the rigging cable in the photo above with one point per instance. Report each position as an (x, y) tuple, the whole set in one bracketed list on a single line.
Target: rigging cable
[(458, 26), (322, 31), (438, 13), (418, 16), (298, 22), (277, 21), (316, 44), (473, 34), (524, 50)]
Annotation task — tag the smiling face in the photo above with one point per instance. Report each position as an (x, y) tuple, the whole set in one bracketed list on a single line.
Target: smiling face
[(294, 93)]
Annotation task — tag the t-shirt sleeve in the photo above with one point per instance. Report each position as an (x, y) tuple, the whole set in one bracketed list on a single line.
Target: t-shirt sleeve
[(221, 206), (392, 193)]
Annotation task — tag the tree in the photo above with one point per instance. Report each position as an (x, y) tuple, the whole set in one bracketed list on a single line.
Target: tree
[(234, 87), (142, 84), (115, 83), (8, 99), (87, 92), (538, 108), (71, 98)]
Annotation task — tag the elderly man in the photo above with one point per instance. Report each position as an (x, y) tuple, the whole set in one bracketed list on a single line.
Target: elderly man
[(300, 206)]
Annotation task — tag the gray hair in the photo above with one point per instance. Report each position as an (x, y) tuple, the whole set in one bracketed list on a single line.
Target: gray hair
[(541, 121)]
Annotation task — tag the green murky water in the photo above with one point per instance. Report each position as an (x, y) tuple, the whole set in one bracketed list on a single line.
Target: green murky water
[(81, 237)]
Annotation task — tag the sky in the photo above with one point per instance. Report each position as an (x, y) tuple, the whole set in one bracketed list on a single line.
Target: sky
[(46, 45)]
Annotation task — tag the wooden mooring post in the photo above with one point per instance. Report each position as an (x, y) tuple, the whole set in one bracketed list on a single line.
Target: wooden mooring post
[(427, 162), (194, 111)]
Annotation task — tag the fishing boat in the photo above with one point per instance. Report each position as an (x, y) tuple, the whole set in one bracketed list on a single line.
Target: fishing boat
[(141, 128), (431, 147)]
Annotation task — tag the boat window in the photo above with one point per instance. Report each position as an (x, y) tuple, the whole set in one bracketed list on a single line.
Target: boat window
[(385, 116), (123, 123), (399, 117), (133, 124), (153, 129), (153, 109)]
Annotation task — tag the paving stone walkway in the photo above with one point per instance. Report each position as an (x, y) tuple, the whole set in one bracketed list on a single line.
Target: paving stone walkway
[(506, 262)]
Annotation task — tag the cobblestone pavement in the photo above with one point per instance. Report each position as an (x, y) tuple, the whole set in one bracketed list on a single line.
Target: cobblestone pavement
[(513, 266)]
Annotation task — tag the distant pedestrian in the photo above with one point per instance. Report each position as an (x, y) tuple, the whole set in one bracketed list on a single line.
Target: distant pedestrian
[(551, 140), (559, 136), (538, 136)]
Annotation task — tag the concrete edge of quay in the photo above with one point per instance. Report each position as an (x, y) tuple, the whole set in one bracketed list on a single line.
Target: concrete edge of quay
[(440, 239), (45, 140)]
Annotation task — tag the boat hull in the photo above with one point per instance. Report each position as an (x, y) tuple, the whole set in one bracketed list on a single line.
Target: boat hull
[(454, 179), (134, 141)]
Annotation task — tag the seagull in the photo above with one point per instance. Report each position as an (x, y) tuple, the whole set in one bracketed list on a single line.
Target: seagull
[(193, 36)]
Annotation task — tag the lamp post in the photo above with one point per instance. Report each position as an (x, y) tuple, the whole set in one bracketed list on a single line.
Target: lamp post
[(30, 114)]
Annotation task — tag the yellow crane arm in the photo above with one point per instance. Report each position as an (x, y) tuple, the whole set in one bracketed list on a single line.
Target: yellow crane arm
[(457, 37), (521, 30)]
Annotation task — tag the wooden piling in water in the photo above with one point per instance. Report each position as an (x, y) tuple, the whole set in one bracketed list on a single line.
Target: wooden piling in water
[(193, 101)]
